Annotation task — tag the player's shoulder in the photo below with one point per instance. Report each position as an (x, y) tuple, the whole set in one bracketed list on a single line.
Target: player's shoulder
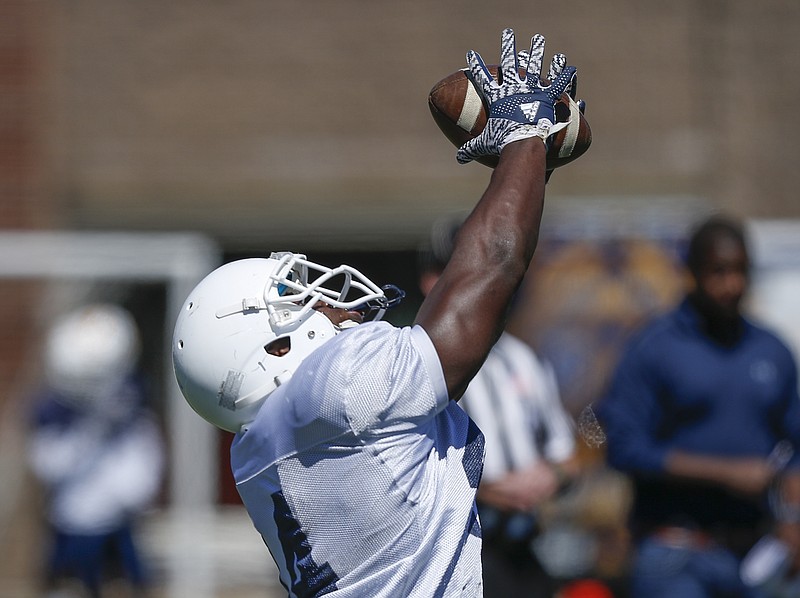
[(373, 373), (359, 341), (370, 350)]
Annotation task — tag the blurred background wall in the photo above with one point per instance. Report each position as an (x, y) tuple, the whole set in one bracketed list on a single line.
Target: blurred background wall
[(265, 125), (275, 123)]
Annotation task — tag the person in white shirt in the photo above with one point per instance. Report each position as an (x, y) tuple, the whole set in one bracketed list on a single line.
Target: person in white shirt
[(351, 455), (530, 443)]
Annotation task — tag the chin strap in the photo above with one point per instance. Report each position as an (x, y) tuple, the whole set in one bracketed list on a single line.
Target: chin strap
[(374, 309)]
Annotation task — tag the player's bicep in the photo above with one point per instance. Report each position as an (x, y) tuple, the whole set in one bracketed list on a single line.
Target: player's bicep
[(463, 319)]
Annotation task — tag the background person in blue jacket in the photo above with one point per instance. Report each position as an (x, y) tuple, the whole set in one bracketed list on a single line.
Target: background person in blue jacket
[(703, 414)]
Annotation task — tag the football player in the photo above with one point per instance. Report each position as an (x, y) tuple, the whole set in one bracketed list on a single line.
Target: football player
[(351, 456), (96, 449)]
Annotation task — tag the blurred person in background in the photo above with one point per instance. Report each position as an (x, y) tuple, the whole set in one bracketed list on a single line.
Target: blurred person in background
[(96, 449), (703, 414), (530, 444)]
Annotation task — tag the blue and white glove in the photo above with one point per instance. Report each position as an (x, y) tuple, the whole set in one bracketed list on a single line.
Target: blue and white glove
[(518, 108), (534, 63), (556, 67)]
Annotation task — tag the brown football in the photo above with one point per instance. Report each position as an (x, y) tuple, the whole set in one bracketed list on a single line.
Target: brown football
[(458, 109)]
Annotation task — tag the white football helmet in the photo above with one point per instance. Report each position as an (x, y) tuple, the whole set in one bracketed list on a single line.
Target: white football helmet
[(245, 328), (90, 351)]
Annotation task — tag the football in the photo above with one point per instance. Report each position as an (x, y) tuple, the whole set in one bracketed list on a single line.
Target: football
[(460, 113)]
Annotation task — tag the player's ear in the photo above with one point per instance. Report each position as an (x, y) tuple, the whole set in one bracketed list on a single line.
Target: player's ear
[(280, 346)]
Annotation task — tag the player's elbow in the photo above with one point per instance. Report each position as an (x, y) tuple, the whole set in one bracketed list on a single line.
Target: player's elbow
[(508, 258)]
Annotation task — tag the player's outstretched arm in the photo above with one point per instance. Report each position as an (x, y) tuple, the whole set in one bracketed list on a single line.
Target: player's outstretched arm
[(464, 313)]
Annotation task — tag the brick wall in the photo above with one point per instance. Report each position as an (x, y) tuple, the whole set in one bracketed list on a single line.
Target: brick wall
[(24, 204), (307, 122), (23, 201)]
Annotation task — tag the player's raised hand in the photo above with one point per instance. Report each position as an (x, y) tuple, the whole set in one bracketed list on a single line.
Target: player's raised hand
[(518, 108), (556, 67), (533, 64)]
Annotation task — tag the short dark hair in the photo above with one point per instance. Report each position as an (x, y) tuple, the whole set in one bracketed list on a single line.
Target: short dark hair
[(707, 233)]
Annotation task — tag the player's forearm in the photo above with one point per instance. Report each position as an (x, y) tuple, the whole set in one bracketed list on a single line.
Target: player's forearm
[(505, 222), (498, 239), (465, 311)]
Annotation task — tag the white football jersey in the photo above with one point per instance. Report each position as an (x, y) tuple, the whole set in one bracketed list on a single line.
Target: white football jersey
[(360, 474)]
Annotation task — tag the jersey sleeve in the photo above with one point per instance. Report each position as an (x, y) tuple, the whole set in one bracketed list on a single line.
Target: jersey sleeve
[(375, 377), (399, 384)]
